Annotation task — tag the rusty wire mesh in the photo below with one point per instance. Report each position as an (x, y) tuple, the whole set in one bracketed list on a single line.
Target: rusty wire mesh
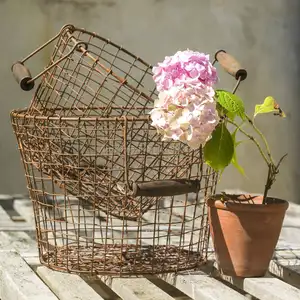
[(84, 139)]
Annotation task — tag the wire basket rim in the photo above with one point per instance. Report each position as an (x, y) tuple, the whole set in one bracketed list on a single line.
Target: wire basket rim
[(22, 114), (108, 41)]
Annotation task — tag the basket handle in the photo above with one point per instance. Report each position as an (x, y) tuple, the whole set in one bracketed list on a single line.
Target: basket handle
[(231, 65), (22, 74), (170, 187)]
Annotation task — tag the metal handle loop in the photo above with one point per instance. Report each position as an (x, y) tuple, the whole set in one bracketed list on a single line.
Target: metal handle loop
[(22, 74)]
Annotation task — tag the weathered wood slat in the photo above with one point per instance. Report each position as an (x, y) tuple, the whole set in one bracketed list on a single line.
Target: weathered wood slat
[(286, 263), (67, 286), (270, 289), (200, 286), (113, 229), (264, 288), (32, 260), (5, 218), (19, 241), (289, 274), (195, 286), (18, 280), (24, 208), (7, 224), (14, 227), (135, 288), (6, 197)]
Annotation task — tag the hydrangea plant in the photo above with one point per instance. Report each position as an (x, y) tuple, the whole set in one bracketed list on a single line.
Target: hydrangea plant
[(190, 110)]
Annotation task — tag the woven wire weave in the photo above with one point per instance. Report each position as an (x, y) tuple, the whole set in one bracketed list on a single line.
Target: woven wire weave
[(84, 139)]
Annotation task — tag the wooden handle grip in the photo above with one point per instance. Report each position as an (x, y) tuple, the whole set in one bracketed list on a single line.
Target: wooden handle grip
[(231, 65), (160, 188), (22, 76)]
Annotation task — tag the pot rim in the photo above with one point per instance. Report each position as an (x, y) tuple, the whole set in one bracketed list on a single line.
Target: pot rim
[(275, 205)]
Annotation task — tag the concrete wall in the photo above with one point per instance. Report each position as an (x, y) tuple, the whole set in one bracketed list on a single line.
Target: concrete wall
[(261, 34)]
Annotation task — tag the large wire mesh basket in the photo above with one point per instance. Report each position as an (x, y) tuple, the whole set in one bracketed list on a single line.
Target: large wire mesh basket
[(109, 196)]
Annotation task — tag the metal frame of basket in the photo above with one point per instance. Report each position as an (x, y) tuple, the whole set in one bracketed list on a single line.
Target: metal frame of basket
[(78, 227), (109, 196)]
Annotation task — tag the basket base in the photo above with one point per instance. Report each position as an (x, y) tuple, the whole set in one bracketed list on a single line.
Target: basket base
[(121, 259)]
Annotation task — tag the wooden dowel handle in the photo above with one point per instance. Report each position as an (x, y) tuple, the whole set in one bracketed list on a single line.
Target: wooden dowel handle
[(231, 65), (22, 76), (160, 188)]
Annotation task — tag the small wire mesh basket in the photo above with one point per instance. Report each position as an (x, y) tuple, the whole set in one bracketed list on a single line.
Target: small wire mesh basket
[(109, 196)]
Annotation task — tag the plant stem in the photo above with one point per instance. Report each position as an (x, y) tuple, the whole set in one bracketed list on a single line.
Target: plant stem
[(251, 138), (270, 164), (272, 168), (262, 137), (267, 186)]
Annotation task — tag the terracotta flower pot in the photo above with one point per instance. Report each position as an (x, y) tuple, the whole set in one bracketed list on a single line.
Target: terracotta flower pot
[(245, 232)]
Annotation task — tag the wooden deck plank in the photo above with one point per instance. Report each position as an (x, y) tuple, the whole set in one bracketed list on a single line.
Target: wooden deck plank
[(289, 274), (32, 260), (286, 263), (4, 217), (18, 241), (18, 280), (127, 288), (200, 286), (197, 285), (24, 208), (7, 224), (134, 288), (113, 228), (270, 289), (4, 197), (264, 288), (67, 286)]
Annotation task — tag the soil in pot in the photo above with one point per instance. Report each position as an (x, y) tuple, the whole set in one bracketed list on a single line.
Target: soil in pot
[(245, 232)]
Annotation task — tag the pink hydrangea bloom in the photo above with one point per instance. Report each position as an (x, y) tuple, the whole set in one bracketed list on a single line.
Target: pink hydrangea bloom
[(185, 109), (184, 68)]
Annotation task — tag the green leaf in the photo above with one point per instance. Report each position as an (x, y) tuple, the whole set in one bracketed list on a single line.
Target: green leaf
[(232, 103), (234, 158), (219, 150), (231, 115), (268, 106), (224, 112)]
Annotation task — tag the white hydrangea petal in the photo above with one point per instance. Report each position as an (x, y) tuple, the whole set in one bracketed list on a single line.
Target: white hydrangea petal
[(185, 115)]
